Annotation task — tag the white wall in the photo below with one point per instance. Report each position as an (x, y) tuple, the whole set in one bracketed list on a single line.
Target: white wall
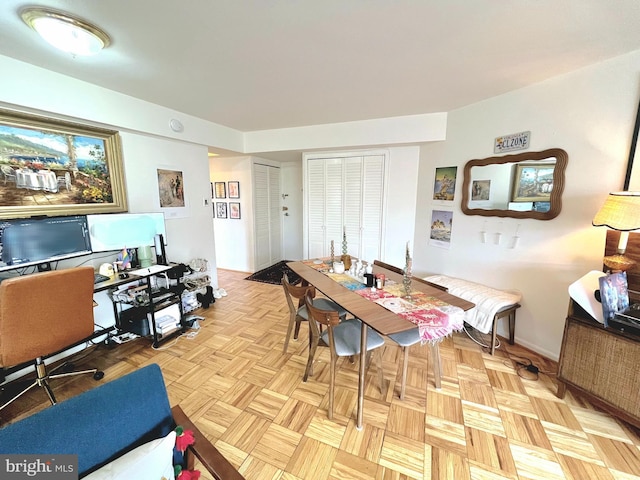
[(234, 238), (589, 113)]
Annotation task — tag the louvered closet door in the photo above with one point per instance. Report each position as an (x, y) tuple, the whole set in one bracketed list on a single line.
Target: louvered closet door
[(345, 193), (315, 208), (372, 201), (352, 192), (267, 215), (275, 227), (324, 204)]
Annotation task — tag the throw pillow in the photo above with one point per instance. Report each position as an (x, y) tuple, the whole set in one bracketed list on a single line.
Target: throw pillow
[(153, 460)]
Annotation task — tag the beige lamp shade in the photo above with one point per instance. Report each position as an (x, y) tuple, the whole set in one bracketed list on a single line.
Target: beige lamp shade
[(621, 211)]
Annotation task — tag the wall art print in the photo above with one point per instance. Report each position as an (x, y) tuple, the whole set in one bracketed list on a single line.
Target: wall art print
[(444, 186), (54, 167), (440, 232), (170, 188)]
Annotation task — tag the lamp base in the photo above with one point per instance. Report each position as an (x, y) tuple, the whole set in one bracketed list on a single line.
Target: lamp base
[(619, 262)]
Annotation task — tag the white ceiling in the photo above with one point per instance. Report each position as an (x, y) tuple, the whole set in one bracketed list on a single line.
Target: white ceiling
[(264, 64)]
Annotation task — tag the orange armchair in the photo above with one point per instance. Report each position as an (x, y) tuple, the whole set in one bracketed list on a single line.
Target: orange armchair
[(42, 314)]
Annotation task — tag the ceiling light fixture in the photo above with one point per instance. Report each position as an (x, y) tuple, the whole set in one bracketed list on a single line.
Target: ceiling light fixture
[(66, 32)]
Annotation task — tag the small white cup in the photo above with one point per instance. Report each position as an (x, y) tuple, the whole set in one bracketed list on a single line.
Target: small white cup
[(338, 267)]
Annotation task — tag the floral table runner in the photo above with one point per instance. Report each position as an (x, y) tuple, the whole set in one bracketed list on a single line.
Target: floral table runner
[(435, 318)]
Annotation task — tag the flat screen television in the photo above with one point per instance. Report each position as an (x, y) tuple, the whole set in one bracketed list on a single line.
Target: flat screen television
[(115, 231), (38, 241)]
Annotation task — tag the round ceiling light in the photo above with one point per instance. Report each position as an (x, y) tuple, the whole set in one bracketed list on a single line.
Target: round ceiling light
[(65, 32)]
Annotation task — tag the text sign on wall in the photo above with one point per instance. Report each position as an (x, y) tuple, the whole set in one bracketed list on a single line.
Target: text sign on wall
[(515, 141)]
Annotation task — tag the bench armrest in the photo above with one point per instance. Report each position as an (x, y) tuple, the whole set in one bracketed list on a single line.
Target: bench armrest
[(210, 457)]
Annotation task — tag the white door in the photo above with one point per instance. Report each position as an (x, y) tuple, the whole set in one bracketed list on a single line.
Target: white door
[(267, 215)]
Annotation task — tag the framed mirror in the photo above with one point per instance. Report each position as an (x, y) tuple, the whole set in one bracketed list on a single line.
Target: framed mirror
[(524, 185)]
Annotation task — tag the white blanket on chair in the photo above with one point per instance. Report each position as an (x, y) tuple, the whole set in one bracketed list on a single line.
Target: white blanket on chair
[(489, 301)]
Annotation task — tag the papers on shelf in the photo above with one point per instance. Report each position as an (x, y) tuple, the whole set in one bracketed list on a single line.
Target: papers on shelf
[(153, 269)]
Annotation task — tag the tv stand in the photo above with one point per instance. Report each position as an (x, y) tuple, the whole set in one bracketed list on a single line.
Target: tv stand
[(600, 363), (148, 310)]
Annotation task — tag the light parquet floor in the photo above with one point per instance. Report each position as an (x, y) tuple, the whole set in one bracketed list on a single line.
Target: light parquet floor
[(485, 423)]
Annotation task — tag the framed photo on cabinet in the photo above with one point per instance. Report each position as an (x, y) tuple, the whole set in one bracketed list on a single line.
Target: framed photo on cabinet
[(234, 210), (234, 189)]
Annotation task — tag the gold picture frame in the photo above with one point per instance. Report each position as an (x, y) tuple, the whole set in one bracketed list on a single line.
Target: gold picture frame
[(53, 167), (533, 182)]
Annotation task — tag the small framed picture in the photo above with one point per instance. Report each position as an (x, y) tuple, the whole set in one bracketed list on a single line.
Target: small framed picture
[(532, 182), (234, 210), (221, 189), (234, 189), (221, 209)]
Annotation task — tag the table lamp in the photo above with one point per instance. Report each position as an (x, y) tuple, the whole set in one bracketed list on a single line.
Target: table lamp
[(621, 211)]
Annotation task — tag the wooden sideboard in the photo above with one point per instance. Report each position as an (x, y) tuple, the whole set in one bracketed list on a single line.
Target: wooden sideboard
[(603, 364)]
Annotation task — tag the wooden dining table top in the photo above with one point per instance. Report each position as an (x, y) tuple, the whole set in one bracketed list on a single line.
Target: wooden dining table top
[(376, 316)]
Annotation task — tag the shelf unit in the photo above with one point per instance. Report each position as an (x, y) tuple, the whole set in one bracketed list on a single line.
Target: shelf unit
[(148, 310)]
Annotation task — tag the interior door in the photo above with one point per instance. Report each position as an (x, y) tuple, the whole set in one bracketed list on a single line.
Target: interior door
[(267, 224)]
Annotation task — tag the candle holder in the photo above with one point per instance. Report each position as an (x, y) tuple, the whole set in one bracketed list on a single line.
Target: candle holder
[(406, 282), (406, 275)]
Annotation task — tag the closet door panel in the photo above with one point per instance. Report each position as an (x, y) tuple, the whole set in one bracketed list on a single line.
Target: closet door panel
[(334, 221), (275, 229), (316, 208), (372, 206), (353, 204), (261, 221)]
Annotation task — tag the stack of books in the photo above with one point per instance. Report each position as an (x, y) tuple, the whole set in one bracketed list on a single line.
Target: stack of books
[(166, 324)]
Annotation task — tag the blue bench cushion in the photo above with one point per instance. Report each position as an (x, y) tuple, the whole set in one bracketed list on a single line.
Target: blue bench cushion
[(98, 425)]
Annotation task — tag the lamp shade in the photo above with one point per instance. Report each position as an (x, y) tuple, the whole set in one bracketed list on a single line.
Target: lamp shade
[(621, 211)]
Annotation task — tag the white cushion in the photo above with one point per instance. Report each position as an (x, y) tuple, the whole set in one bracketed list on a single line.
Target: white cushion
[(151, 461)]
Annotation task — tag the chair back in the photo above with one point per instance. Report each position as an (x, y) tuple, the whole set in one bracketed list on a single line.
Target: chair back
[(326, 318), (44, 313), (388, 267), (296, 292)]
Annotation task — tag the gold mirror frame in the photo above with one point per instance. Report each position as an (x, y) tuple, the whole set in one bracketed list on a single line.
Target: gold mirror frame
[(555, 198)]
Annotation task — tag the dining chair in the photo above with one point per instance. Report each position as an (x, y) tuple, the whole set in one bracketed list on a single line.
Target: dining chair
[(9, 174), (388, 266), (343, 340), (298, 313), (64, 180)]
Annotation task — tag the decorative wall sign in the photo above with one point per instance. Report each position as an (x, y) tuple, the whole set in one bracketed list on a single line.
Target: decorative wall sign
[(515, 141)]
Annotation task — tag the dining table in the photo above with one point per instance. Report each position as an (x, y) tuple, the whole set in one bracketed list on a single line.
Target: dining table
[(39, 180), (366, 304)]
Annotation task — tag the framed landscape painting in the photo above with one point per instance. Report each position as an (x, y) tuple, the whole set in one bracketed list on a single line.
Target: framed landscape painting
[(53, 167)]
